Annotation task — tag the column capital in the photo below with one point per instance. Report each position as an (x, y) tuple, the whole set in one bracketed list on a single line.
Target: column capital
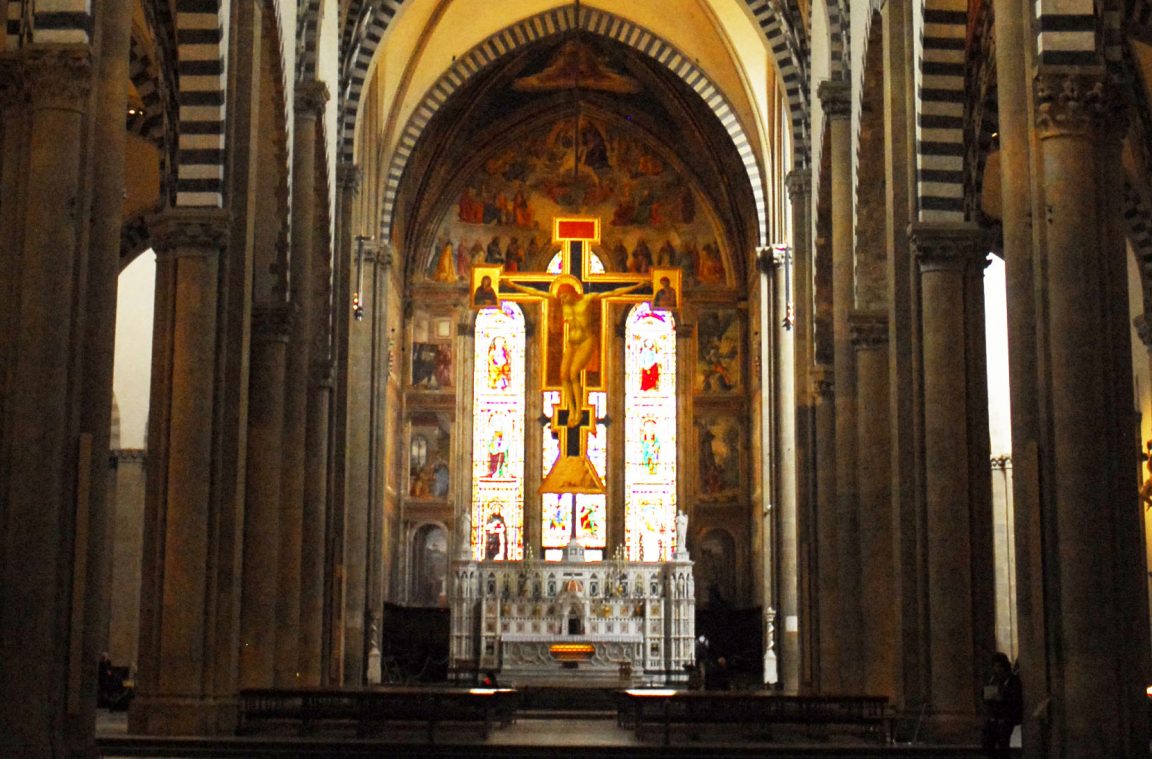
[(311, 98), (379, 253), (947, 245), (869, 329), (799, 183), (348, 176), (1071, 103), (835, 98), (189, 231), (271, 323), (59, 77), (1144, 329)]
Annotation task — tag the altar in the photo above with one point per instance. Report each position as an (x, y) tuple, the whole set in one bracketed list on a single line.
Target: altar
[(574, 619)]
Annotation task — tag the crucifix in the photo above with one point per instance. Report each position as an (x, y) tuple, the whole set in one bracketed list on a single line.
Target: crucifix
[(572, 309)]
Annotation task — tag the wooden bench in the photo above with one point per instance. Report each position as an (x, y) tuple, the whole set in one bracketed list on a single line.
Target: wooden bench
[(666, 707), (369, 710)]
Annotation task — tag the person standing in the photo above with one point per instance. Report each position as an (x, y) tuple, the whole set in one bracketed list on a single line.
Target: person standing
[(1003, 705)]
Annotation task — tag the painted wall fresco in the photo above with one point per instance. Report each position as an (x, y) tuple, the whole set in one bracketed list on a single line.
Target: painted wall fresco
[(719, 352), (651, 217), (718, 446), (429, 454)]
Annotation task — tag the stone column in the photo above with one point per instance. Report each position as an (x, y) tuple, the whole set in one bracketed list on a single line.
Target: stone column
[(827, 530), (258, 619), (799, 184), (1096, 612), (310, 99), (879, 633), (783, 366), (42, 573), (107, 198), (945, 253), (835, 97), (315, 524), (174, 694), (13, 136), (299, 661), (343, 269)]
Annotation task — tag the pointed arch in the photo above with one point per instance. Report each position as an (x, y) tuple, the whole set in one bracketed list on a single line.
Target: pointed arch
[(527, 31)]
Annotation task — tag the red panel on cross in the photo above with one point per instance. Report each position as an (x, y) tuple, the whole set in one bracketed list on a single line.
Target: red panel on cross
[(576, 229)]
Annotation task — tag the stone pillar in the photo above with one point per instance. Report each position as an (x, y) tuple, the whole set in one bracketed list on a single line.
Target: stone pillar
[(43, 574), (1094, 571), (300, 661), (107, 198), (258, 619), (309, 102), (778, 262), (827, 530), (946, 252), (799, 184), (835, 97), (315, 524), (878, 644), (177, 642), (343, 269), (13, 137)]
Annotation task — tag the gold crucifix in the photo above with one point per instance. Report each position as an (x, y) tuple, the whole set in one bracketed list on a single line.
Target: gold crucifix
[(572, 307)]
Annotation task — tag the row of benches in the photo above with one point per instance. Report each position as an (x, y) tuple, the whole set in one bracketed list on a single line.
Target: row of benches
[(640, 708), (369, 710)]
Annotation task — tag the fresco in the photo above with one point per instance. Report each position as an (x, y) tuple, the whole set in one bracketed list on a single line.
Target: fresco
[(431, 366), (651, 217), (719, 446), (718, 352), (428, 455)]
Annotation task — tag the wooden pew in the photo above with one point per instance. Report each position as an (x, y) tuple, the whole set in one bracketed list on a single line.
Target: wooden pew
[(667, 707), (369, 710)]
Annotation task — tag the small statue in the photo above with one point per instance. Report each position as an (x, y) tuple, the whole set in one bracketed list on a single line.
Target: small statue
[(1146, 487), (464, 531), (681, 531)]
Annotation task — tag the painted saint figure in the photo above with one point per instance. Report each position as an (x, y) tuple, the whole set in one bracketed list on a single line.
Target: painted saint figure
[(499, 364), (581, 344), (485, 295)]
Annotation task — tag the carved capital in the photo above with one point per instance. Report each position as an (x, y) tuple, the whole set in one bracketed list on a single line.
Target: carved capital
[(1070, 103), (311, 97), (947, 246), (799, 184), (271, 323), (869, 329), (59, 77), (835, 98), (189, 232), (348, 176)]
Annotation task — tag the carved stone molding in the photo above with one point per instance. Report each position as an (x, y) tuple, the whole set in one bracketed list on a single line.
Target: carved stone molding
[(189, 231), (835, 98), (947, 246), (271, 323), (59, 78), (121, 455), (869, 329), (311, 98), (799, 183), (1070, 103)]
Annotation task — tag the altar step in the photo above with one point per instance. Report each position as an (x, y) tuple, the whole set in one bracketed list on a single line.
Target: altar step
[(565, 714)]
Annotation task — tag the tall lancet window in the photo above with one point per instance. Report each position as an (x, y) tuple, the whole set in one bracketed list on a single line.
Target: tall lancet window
[(650, 434), (591, 509), (498, 434)]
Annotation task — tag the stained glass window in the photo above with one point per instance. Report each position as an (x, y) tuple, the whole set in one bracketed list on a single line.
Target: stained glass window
[(650, 435), (498, 434), (592, 512), (556, 265)]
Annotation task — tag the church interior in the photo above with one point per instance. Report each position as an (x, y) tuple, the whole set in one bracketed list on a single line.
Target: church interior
[(375, 342)]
